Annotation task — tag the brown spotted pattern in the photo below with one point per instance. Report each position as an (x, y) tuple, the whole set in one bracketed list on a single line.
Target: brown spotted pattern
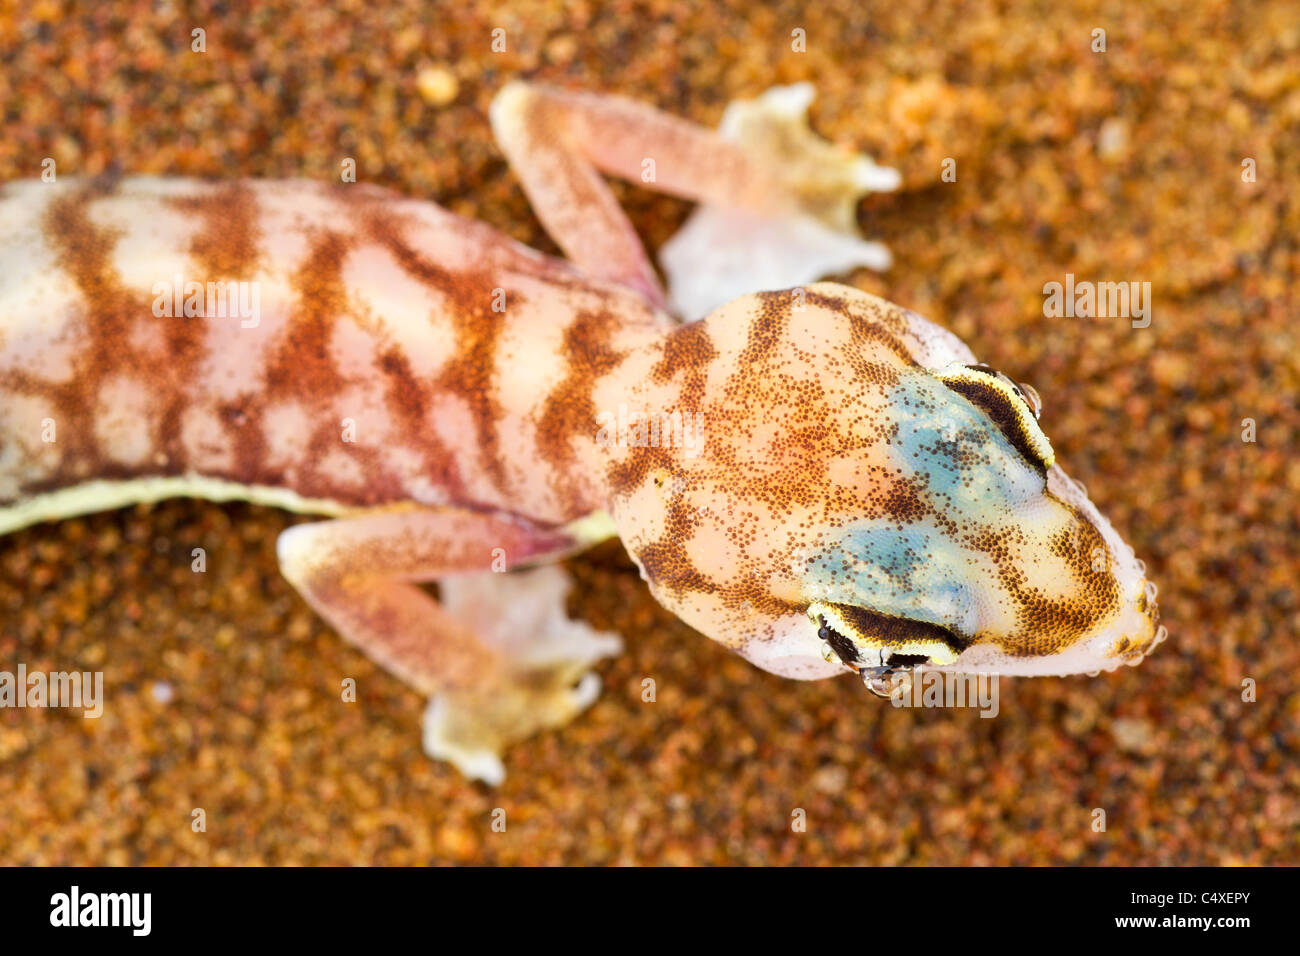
[(802, 447), (379, 314)]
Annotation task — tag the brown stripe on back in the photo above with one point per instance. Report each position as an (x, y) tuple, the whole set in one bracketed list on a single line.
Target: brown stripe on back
[(241, 417), (226, 247), (469, 376), (569, 410), (301, 364), (404, 393), (753, 590), (409, 400), (768, 327), (477, 328), (687, 350), (85, 252)]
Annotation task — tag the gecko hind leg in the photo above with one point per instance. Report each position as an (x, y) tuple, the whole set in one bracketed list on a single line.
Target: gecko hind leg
[(522, 616), (498, 656)]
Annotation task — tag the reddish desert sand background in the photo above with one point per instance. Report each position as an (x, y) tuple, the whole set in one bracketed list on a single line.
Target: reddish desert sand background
[(1117, 166)]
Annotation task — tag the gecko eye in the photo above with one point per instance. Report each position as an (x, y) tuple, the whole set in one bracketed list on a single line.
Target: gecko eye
[(1013, 408), (870, 643), (1030, 395)]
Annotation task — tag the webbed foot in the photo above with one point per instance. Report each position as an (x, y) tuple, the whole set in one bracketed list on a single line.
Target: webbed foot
[(722, 253), (546, 680)]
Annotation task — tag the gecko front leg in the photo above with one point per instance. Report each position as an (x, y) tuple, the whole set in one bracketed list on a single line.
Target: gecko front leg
[(777, 201), (499, 657), (725, 251)]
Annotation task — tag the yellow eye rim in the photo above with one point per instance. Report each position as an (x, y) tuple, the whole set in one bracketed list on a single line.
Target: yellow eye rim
[(878, 634), (1003, 401)]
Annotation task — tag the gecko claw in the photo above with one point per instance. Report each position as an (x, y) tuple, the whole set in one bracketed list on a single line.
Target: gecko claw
[(476, 763)]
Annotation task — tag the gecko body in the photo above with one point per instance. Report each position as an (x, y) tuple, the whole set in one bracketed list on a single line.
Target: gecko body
[(816, 478), (374, 312)]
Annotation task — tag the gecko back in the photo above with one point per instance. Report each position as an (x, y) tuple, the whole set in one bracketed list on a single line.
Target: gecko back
[(317, 348)]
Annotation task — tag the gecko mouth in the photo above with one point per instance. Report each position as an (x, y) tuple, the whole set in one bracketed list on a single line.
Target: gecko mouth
[(878, 647)]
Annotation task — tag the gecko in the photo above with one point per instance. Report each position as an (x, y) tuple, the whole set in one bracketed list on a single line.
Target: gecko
[(819, 480)]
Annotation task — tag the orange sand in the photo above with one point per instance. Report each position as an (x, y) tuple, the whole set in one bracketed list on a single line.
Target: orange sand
[(1117, 166)]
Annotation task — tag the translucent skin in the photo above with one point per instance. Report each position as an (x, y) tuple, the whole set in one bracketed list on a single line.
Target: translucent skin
[(373, 308), (835, 467), (815, 478)]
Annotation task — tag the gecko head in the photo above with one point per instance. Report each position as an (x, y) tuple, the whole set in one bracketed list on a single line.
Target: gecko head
[(869, 497)]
